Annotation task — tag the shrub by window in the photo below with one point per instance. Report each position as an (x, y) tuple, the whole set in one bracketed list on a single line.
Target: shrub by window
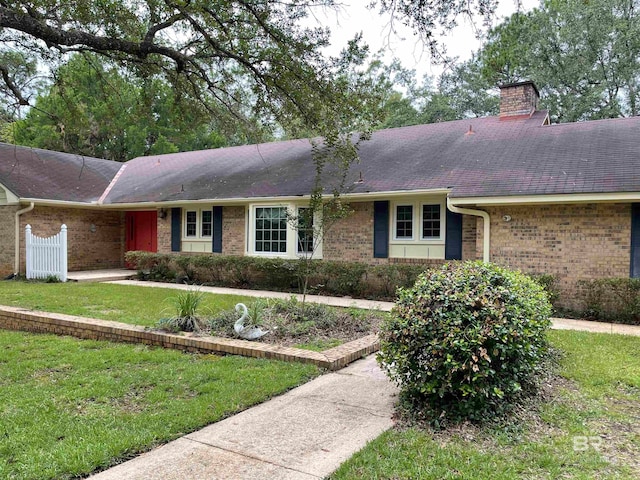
[(466, 341)]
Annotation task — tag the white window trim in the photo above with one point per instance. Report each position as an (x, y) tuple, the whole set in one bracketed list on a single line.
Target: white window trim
[(417, 238), (252, 224), (292, 233), (210, 210), (317, 221), (198, 236), (442, 220), (394, 224)]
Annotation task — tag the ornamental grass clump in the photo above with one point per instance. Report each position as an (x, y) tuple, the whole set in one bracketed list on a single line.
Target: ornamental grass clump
[(466, 342)]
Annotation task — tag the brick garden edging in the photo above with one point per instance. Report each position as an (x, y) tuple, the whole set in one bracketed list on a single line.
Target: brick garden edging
[(12, 318)]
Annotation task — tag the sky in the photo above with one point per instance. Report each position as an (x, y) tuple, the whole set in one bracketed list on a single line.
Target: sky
[(354, 17)]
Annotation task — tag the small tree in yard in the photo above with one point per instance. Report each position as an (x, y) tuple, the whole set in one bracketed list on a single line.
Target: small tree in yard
[(466, 342), (312, 223)]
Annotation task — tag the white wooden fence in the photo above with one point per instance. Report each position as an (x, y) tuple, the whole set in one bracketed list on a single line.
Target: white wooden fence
[(47, 256)]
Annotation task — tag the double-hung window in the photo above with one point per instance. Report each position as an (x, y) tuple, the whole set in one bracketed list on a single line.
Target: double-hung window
[(415, 222), (285, 230), (431, 222), (271, 229), (191, 223), (404, 222), (206, 223), (198, 223), (305, 231)]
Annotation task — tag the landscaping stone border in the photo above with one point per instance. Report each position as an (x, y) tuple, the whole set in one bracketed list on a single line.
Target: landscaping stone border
[(12, 318)]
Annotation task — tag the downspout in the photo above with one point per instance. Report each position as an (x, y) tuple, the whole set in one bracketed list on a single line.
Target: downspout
[(16, 265), (486, 223)]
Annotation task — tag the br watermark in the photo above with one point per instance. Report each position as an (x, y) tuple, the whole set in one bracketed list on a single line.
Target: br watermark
[(584, 443)]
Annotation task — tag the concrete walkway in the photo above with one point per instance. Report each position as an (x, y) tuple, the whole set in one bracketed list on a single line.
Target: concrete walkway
[(302, 435), (100, 275), (558, 323), (333, 301)]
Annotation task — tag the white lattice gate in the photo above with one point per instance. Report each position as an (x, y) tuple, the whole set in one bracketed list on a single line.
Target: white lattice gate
[(47, 257)]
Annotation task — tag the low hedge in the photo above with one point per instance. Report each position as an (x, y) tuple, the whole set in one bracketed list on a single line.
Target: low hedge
[(612, 299), (325, 278)]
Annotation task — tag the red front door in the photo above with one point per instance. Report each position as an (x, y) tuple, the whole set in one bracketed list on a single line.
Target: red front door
[(142, 231)]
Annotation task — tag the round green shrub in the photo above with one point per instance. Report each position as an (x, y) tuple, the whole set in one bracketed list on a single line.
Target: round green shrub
[(465, 341)]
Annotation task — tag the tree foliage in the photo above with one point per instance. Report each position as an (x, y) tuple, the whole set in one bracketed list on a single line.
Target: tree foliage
[(584, 56), (97, 110), (237, 59)]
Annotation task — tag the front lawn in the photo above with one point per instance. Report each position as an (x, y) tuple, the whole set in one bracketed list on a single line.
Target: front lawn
[(69, 407), (317, 327), (121, 303), (587, 427)]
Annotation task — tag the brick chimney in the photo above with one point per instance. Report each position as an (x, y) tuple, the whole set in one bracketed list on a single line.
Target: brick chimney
[(518, 100)]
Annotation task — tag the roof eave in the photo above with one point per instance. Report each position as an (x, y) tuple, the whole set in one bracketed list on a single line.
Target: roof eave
[(12, 197), (365, 196), (613, 197)]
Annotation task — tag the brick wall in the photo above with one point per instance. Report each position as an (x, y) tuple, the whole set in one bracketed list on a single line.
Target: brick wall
[(164, 233), (572, 242), (233, 227), (351, 239), (7, 239), (469, 238), (518, 99), (103, 248)]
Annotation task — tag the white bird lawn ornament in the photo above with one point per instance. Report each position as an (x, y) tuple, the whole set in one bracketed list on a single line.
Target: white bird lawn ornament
[(248, 333)]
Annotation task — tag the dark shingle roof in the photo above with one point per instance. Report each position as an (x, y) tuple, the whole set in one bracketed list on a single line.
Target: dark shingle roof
[(497, 158), (475, 158), (43, 174)]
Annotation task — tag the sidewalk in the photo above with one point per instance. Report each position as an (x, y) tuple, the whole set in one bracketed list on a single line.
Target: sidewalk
[(333, 301), (558, 323), (304, 434)]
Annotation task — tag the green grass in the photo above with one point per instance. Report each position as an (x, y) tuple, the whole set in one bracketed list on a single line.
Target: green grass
[(599, 397), (319, 345), (69, 407), (122, 303)]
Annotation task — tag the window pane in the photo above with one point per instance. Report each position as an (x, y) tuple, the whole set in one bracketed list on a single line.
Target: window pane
[(206, 227), (430, 221), (305, 231), (404, 221), (271, 229), (191, 220)]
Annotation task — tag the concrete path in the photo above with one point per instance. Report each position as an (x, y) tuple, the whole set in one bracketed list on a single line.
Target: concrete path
[(595, 327), (302, 435), (333, 301), (101, 275), (558, 323)]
